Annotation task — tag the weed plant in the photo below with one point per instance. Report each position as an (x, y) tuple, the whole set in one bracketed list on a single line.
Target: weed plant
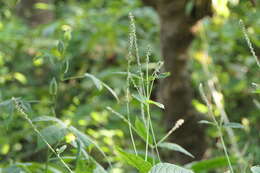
[(140, 79)]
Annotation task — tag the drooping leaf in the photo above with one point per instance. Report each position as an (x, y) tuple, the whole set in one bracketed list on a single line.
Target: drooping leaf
[(135, 161), (99, 84), (111, 91), (168, 168), (175, 147), (160, 105), (95, 80)]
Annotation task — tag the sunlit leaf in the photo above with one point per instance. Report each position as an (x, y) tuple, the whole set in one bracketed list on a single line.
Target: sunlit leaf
[(135, 161), (168, 168), (175, 147), (160, 105)]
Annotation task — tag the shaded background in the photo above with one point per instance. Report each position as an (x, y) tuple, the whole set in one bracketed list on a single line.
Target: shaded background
[(95, 36)]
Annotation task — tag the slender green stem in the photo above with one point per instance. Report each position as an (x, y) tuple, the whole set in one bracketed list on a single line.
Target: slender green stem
[(47, 161), (25, 116), (128, 95), (225, 151), (217, 125)]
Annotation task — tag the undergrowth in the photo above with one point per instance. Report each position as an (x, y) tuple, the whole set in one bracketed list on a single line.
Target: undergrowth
[(140, 77)]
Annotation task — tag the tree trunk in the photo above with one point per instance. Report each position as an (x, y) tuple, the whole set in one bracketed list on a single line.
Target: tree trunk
[(175, 91), (27, 10)]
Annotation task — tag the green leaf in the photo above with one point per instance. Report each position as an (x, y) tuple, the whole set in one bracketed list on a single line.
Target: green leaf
[(168, 168), (211, 164), (99, 84), (60, 47), (206, 122), (234, 125), (160, 105), (53, 88), (95, 80), (13, 169), (111, 91), (86, 166), (141, 130), (135, 161), (61, 149), (175, 147), (255, 169), (141, 99), (84, 139), (200, 107), (163, 75), (51, 134)]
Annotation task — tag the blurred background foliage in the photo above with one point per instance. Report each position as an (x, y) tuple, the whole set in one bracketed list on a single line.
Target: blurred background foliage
[(91, 36)]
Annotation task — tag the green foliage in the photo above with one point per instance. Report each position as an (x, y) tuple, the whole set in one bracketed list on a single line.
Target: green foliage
[(175, 147), (168, 168), (135, 161), (62, 124), (211, 164), (255, 169)]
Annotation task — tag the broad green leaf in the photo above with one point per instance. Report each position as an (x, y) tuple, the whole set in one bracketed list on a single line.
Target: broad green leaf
[(160, 105), (211, 164), (49, 118), (135, 161), (13, 169), (234, 125), (51, 134), (175, 147), (255, 169), (142, 131), (168, 168)]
